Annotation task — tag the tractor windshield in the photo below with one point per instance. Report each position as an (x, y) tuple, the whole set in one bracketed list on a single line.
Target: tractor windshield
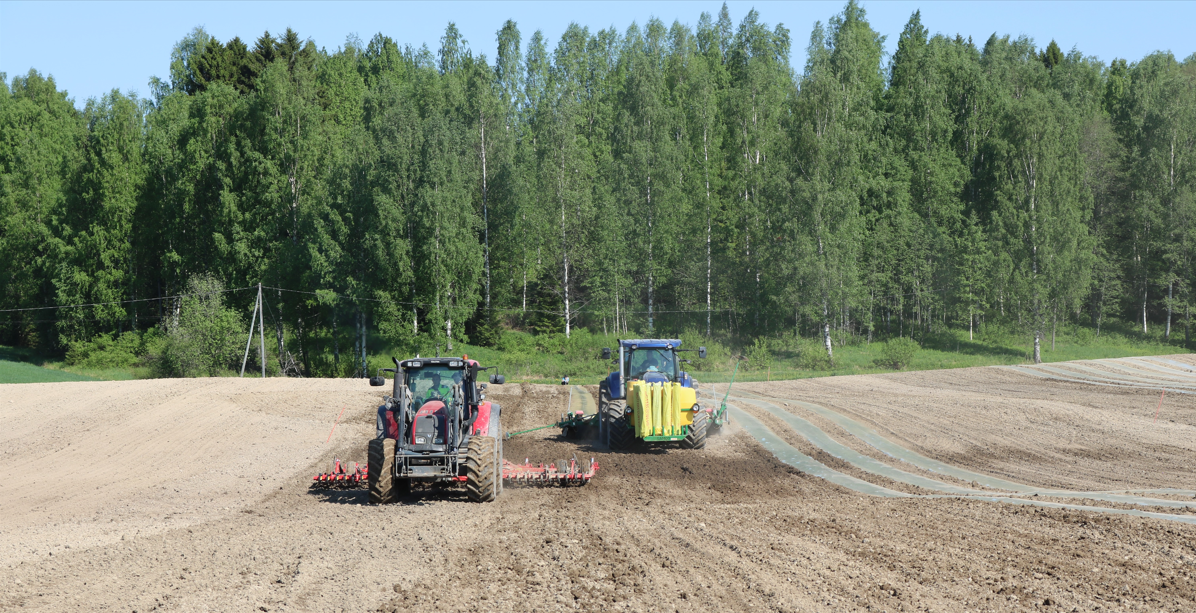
[(432, 383), (660, 360)]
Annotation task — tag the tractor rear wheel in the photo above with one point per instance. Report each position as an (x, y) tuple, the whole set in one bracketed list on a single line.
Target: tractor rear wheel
[(481, 469), (696, 437), (618, 431), (381, 472)]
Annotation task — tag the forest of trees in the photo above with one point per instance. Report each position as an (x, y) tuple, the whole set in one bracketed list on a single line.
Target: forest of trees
[(660, 179)]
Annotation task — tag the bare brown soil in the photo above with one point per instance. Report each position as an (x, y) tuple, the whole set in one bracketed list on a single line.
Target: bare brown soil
[(1040, 432), (194, 495)]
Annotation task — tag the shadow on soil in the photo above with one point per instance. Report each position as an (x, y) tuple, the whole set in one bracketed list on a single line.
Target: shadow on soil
[(361, 496)]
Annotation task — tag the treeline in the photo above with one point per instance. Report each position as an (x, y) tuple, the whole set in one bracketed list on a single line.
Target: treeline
[(646, 181)]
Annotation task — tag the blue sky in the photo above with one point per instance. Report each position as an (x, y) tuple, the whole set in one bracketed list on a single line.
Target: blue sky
[(93, 47)]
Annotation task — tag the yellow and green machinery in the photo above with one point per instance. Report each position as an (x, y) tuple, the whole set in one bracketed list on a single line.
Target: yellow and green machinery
[(661, 411), (649, 398)]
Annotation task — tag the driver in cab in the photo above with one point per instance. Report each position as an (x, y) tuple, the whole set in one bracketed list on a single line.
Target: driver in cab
[(439, 391), (652, 362)]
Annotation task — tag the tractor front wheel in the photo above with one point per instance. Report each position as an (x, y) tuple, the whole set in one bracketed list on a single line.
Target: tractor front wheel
[(381, 470), (696, 437), (481, 469)]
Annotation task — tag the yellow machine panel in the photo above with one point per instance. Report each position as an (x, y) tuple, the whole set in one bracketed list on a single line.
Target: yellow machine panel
[(660, 409)]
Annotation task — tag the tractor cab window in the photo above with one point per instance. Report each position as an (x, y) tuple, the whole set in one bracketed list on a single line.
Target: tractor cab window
[(432, 383), (662, 361)]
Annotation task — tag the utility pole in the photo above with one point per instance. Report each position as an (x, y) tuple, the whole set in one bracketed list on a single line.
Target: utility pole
[(258, 318)]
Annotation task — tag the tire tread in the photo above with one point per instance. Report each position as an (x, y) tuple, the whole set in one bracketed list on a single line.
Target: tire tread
[(481, 469), (380, 470), (696, 437)]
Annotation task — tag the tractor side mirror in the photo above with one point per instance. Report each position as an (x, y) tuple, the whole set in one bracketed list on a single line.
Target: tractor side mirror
[(377, 381), (702, 352), (606, 353), (498, 379)]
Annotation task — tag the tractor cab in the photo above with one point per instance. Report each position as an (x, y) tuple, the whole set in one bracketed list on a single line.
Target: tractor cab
[(652, 364), (436, 406), (648, 360), (434, 382)]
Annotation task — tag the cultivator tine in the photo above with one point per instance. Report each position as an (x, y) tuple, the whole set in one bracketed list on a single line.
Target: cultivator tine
[(342, 476), (561, 472)]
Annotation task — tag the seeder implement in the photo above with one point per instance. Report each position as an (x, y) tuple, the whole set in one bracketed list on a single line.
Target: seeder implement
[(720, 416), (341, 476), (561, 472), (572, 425)]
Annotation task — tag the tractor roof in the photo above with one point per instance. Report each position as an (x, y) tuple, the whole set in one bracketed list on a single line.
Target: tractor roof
[(449, 362), (652, 343)]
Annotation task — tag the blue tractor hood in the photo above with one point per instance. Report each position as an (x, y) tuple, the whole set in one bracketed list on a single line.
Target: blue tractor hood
[(652, 343)]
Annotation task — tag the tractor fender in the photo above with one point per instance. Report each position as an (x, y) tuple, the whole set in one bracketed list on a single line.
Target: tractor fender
[(614, 384), (487, 419), (494, 424), (386, 426)]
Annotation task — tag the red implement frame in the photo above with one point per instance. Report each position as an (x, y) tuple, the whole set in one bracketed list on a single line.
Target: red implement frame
[(572, 473), (341, 475)]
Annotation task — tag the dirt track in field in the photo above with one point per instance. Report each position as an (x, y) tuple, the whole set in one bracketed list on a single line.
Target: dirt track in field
[(194, 495)]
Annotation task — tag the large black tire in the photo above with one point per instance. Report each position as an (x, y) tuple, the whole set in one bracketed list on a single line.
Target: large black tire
[(381, 471), (696, 437), (618, 431), (481, 469)]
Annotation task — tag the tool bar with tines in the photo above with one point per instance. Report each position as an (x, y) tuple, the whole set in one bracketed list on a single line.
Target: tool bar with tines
[(561, 472), (341, 475)]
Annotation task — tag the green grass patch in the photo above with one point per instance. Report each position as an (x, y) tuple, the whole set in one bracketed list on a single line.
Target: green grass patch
[(528, 358), (22, 372), (953, 350), (21, 365), (525, 357)]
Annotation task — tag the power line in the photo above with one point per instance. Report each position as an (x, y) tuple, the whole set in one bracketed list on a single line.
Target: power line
[(380, 301), (88, 319), (500, 309), (94, 304)]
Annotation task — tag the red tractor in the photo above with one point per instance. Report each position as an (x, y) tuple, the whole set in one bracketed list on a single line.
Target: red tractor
[(436, 427)]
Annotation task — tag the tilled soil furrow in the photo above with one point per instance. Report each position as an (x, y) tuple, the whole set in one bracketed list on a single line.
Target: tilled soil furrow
[(844, 454), (869, 484)]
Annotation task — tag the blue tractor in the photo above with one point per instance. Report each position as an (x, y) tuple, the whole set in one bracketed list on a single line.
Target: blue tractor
[(649, 398)]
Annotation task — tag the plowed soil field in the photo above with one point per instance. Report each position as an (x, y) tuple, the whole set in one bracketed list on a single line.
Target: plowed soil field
[(987, 489)]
